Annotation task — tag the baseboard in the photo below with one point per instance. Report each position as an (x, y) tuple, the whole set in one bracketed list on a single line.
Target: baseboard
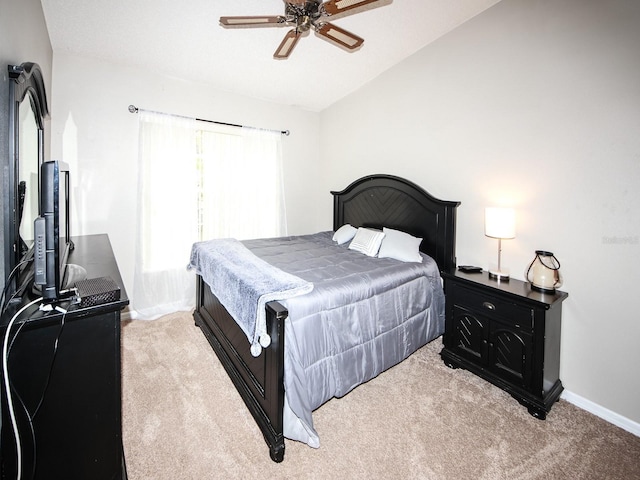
[(126, 314), (604, 413)]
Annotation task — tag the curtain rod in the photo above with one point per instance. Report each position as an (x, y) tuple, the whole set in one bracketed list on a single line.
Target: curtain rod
[(134, 109)]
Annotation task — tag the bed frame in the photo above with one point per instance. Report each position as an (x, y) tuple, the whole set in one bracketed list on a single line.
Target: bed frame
[(373, 201)]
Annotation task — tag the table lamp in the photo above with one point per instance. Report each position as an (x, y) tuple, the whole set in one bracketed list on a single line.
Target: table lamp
[(499, 223)]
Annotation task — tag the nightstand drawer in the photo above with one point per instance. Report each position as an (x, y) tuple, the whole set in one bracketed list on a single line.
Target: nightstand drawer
[(492, 306)]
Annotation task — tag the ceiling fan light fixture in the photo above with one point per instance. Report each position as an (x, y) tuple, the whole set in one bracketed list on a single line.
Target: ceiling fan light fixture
[(303, 24)]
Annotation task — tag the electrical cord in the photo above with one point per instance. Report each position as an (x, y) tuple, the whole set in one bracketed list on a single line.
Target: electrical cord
[(5, 372), (15, 270), (46, 307), (31, 431), (53, 360)]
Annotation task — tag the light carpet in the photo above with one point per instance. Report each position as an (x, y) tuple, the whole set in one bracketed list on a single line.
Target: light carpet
[(183, 419)]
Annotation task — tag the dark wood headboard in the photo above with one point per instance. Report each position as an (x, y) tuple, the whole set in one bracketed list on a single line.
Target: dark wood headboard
[(378, 201)]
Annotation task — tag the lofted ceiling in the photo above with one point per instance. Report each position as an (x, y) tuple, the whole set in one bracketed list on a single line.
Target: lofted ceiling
[(184, 39)]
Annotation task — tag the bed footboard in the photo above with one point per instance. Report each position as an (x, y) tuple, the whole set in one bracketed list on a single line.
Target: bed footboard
[(259, 380)]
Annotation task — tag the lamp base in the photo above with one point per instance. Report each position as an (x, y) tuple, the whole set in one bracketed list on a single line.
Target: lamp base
[(499, 275)]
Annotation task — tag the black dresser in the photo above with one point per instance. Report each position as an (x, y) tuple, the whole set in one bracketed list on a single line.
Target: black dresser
[(66, 385)]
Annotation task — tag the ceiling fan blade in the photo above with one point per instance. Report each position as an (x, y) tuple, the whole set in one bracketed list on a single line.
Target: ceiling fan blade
[(333, 7), (251, 21), (340, 35), (288, 43)]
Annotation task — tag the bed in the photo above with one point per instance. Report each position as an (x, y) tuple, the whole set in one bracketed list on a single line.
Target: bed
[(374, 202)]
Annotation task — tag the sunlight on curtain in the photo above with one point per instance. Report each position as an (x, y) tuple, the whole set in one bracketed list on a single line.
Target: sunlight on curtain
[(198, 181), (167, 219), (242, 188)]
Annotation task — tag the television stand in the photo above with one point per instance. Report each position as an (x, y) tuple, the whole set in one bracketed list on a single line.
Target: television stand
[(74, 394)]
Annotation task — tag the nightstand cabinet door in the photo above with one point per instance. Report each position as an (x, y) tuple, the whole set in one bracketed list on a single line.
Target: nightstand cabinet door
[(507, 334), (469, 334), (510, 354), (478, 335)]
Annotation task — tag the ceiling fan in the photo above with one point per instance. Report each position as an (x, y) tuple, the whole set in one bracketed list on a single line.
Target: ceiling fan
[(304, 15)]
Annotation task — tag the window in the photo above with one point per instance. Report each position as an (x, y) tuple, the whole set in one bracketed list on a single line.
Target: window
[(240, 192), (198, 181)]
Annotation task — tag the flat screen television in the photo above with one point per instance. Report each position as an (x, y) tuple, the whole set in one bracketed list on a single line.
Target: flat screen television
[(52, 238)]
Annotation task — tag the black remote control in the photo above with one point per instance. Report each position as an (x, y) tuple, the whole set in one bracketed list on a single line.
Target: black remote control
[(470, 269)]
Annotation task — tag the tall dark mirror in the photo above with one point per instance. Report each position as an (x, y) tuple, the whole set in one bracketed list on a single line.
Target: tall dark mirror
[(27, 111)]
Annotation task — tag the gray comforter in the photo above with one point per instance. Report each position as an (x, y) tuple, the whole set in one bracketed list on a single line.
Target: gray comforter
[(244, 284), (363, 316)]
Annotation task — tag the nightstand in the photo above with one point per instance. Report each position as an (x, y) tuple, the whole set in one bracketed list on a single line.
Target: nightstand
[(506, 333)]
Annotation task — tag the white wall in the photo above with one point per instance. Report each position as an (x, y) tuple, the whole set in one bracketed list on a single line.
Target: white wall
[(533, 104), (93, 131)]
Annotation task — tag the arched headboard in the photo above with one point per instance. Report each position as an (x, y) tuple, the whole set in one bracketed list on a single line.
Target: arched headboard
[(378, 201)]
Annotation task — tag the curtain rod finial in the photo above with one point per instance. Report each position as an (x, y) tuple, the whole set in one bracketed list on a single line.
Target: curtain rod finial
[(133, 109)]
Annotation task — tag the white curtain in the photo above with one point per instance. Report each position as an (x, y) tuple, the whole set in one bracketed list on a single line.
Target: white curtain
[(167, 220), (198, 181), (242, 190)]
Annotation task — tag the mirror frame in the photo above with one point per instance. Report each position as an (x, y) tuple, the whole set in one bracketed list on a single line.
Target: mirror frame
[(26, 81)]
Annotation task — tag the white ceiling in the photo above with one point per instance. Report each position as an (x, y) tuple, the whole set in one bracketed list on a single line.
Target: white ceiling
[(183, 38)]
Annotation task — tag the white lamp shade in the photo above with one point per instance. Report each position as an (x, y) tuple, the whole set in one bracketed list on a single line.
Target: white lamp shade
[(500, 222)]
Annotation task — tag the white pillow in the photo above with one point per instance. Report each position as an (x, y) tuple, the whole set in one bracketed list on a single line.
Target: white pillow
[(400, 245), (345, 233), (367, 241)]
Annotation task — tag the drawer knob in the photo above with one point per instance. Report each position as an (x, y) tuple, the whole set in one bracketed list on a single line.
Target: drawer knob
[(489, 305)]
